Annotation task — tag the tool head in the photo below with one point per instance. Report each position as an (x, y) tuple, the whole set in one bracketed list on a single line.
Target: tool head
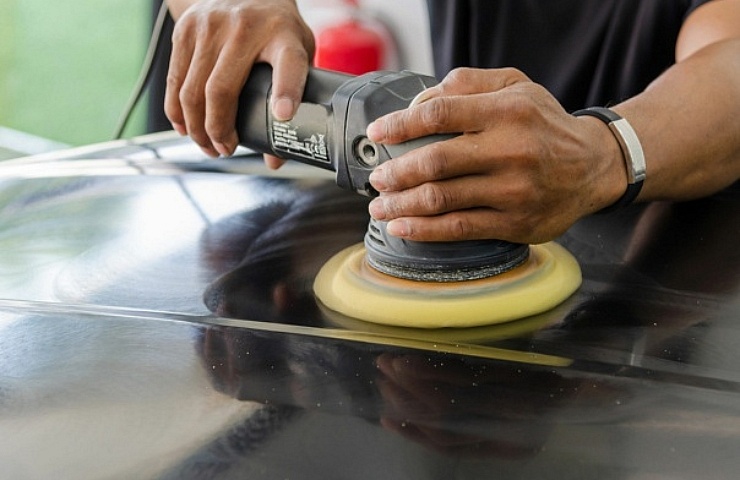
[(347, 284), (440, 261), (395, 282)]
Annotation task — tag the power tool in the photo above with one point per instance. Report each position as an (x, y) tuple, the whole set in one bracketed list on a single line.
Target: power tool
[(389, 280), (328, 131)]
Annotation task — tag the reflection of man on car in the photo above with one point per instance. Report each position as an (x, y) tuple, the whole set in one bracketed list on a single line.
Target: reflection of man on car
[(267, 257), (454, 405), (678, 263), (459, 405)]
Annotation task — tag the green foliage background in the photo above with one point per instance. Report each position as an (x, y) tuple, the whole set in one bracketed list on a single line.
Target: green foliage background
[(67, 67)]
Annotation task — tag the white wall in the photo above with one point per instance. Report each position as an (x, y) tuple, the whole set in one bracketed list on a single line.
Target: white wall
[(406, 21)]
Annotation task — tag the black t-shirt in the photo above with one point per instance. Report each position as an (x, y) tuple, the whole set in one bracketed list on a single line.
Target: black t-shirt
[(586, 52)]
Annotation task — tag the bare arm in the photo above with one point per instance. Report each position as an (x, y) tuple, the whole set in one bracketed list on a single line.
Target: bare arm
[(688, 118), (525, 170)]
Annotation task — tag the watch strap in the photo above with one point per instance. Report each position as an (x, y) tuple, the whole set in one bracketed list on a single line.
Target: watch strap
[(634, 158)]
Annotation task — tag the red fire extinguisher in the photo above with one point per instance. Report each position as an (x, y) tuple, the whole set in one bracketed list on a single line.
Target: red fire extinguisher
[(354, 44)]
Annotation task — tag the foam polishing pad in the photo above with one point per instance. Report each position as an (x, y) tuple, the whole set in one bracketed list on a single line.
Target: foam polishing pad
[(348, 285)]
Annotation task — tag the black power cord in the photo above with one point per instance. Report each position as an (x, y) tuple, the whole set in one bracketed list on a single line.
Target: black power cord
[(155, 44)]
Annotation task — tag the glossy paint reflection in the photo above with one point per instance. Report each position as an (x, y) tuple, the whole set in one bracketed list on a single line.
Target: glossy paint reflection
[(478, 414), (644, 334), (164, 326), (269, 256), (652, 285)]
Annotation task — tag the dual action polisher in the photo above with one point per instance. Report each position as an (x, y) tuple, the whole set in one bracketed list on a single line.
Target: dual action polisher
[(389, 280)]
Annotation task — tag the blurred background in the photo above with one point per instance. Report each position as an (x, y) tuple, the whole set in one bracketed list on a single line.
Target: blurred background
[(68, 68)]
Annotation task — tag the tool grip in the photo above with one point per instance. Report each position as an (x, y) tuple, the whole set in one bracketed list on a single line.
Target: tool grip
[(257, 129)]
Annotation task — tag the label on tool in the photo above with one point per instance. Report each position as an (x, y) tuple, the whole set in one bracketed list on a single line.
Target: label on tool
[(304, 137)]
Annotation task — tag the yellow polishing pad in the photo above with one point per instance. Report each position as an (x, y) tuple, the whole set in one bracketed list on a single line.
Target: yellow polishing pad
[(348, 285)]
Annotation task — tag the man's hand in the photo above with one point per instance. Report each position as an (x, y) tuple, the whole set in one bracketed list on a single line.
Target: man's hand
[(215, 44), (522, 170)]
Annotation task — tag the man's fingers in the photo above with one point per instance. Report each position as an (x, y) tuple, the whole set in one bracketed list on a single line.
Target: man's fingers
[(441, 160), (182, 54), (471, 81), (222, 96), (193, 95), (447, 107), (289, 72), (471, 224), (468, 224), (434, 198), (478, 223), (438, 115), (273, 162)]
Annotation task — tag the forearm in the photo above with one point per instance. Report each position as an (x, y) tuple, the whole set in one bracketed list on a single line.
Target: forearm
[(688, 121)]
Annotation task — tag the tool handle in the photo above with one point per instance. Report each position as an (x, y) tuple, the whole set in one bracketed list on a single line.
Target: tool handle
[(305, 136)]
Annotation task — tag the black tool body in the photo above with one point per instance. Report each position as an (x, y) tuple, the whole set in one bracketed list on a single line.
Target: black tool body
[(328, 130)]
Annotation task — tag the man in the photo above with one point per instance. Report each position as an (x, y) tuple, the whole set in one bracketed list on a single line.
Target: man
[(524, 169)]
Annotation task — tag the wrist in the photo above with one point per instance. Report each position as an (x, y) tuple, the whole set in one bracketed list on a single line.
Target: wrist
[(631, 153)]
